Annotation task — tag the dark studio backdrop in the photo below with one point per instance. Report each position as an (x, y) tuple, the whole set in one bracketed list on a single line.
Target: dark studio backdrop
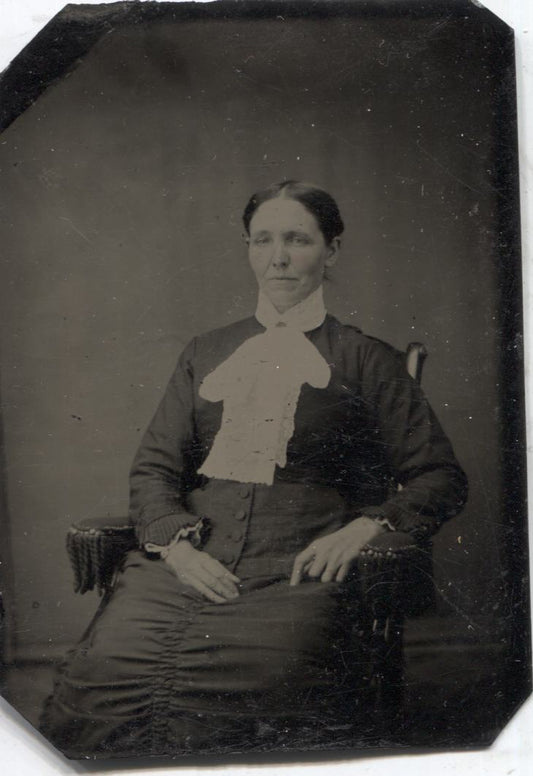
[(121, 234)]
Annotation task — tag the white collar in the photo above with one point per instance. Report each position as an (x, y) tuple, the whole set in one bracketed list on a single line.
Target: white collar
[(306, 315)]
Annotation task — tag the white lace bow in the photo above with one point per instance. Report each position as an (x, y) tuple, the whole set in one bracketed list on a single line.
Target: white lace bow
[(260, 384)]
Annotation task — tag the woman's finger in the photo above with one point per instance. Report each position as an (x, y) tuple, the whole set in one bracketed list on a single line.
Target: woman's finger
[(200, 582), (193, 573), (203, 567), (220, 584), (336, 557), (208, 592), (225, 588), (231, 576), (318, 565), (342, 572), (332, 567), (217, 568), (296, 576), (217, 573), (300, 563), (197, 577)]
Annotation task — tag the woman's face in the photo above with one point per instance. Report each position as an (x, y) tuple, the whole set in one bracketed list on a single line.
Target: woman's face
[(288, 252)]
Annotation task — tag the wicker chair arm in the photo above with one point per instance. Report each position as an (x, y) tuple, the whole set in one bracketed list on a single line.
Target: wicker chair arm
[(96, 547), (394, 573)]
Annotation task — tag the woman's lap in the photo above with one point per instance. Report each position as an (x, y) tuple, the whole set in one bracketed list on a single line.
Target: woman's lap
[(268, 624), (159, 652)]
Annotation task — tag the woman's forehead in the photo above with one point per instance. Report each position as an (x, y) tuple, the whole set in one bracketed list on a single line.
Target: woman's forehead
[(283, 214)]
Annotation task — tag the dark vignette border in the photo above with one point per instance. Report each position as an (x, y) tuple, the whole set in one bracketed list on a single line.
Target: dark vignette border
[(63, 43)]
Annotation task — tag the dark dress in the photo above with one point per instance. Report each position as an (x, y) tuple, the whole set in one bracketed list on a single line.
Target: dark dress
[(161, 670)]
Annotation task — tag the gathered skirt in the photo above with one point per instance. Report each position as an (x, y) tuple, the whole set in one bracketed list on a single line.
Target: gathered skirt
[(163, 671)]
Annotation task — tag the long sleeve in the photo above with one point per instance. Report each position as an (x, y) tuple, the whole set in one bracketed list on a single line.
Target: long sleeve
[(371, 427), (162, 464), (428, 485)]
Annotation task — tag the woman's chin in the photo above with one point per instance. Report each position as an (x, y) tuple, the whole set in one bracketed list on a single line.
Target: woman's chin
[(283, 299)]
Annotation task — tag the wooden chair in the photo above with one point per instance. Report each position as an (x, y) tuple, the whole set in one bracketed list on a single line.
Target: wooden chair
[(393, 579)]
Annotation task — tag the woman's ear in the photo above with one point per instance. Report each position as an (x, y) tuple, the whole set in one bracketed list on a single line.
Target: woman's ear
[(333, 252)]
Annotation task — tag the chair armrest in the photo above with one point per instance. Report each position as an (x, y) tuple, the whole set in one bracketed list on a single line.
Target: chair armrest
[(394, 571), (395, 575), (96, 547)]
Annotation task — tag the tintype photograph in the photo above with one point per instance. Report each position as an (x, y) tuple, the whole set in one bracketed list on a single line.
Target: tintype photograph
[(262, 387)]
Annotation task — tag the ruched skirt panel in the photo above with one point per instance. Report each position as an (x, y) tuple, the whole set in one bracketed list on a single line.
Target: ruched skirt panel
[(161, 670)]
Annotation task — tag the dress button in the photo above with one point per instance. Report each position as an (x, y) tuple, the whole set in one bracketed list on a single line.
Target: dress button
[(244, 492), (240, 514), (228, 557)]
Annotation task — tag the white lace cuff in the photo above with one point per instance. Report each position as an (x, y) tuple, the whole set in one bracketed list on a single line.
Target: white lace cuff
[(193, 534), (382, 521)]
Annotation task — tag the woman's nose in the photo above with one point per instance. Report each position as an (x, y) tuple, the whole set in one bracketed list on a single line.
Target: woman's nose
[(280, 256)]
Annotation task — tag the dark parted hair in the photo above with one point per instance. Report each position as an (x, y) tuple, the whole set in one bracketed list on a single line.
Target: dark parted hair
[(317, 201)]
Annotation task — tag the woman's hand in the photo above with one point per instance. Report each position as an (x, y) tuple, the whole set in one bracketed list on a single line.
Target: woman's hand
[(330, 557), (203, 572)]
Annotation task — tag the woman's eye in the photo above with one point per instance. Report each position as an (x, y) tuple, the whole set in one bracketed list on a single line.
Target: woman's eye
[(298, 239), (261, 240)]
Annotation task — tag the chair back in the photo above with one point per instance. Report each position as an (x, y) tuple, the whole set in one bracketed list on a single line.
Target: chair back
[(415, 355)]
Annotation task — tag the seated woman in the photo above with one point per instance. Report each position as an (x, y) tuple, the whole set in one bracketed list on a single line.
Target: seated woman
[(264, 472)]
